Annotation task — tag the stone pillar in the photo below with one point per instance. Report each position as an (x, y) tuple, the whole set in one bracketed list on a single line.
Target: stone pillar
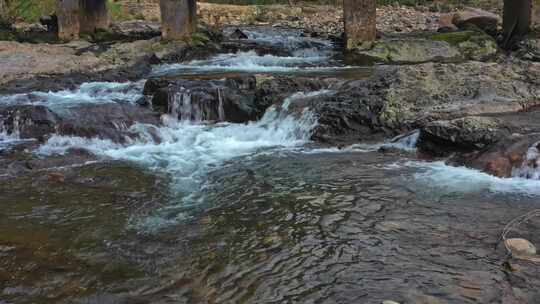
[(68, 12), (3, 10), (76, 17), (360, 19), (94, 15), (516, 21), (178, 18)]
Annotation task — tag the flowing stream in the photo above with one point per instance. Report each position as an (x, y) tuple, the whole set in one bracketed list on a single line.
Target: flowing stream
[(192, 212)]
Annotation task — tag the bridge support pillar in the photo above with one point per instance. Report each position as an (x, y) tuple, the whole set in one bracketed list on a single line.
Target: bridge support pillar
[(516, 21), (360, 17), (77, 17), (179, 18)]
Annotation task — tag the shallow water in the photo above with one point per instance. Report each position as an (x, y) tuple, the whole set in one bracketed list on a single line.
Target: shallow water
[(250, 213)]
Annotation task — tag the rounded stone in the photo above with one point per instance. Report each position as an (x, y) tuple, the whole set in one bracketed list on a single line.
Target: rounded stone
[(389, 302), (520, 247)]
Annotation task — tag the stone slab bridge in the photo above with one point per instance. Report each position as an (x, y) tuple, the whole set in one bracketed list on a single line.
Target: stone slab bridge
[(179, 19)]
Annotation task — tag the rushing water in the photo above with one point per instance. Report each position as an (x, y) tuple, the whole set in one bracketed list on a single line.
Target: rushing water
[(192, 212)]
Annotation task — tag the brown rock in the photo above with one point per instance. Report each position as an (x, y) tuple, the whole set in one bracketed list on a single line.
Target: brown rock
[(446, 23), (520, 247), (485, 20), (57, 177)]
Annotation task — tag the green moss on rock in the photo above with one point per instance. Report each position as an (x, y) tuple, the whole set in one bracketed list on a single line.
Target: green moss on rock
[(440, 47)]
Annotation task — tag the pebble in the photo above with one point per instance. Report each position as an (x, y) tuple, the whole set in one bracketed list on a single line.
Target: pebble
[(389, 302)]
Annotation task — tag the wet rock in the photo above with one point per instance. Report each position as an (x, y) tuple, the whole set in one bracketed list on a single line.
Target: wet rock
[(274, 89), (441, 47), (238, 34), (462, 134), (500, 159), (108, 121), (529, 49), (152, 85), (482, 19), (231, 100), (520, 247), (28, 121), (136, 29), (50, 22)]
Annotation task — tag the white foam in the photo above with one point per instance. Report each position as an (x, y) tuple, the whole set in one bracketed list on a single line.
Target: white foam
[(530, 168), (445, 179), (188, 151), (91, 92), (249, 62), (10, 139), (286, 38)]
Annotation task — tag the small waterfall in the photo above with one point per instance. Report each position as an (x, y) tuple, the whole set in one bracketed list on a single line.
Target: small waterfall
[(13, 133), (221, 110), (530, 169), (181, 107)]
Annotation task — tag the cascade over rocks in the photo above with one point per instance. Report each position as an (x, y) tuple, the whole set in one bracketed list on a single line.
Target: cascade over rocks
[(235, 99), (29, 121)]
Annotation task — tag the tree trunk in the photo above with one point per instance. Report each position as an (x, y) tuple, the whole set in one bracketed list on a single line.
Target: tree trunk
[(178, 18), (94, 15), (360, 19), (516, 21), (68, 12)]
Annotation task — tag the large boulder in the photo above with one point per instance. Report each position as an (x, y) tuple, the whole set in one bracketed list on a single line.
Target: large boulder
[(414, 95), (28, 121), (108, 121), (482, 19), (462, 134), (506, 158), (438, 47), (398, 99)]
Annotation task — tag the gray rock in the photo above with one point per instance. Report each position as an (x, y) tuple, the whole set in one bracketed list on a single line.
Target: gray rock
[(439, 47)]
